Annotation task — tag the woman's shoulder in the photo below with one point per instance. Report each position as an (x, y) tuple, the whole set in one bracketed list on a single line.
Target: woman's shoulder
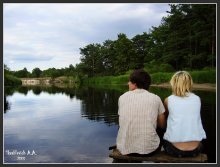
[(171, 98), (194, 96), (188, 96)]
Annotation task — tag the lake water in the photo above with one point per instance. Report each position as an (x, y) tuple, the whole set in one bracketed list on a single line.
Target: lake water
[(76, 125)]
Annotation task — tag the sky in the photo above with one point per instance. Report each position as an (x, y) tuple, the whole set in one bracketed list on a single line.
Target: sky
[(47, 35)]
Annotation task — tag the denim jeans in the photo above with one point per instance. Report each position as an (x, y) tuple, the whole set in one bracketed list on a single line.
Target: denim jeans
[(172, 150)]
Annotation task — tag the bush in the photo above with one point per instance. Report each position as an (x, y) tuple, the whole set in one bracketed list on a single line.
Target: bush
[(10, 80), (208, 69), (161, 77), (107, 80), (155, 67), (166, 68), (204, 76)]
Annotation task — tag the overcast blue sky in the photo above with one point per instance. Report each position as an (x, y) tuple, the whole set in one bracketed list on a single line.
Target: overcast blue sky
[(50, 34)]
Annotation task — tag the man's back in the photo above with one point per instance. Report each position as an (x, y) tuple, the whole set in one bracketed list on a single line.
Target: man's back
[(138, 112)]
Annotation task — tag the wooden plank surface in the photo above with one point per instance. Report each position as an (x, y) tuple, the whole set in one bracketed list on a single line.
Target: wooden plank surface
[(160, 157)]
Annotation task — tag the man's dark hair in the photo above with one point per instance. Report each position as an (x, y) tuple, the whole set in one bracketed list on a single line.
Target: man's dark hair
[(141, 78)]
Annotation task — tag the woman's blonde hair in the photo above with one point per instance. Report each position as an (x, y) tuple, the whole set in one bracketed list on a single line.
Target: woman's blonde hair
[(181, 83)]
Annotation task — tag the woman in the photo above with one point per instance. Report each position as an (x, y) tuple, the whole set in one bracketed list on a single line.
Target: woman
[(184, 131), (139, 110)]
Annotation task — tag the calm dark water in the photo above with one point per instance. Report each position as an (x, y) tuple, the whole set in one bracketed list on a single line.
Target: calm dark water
[(75, 125)]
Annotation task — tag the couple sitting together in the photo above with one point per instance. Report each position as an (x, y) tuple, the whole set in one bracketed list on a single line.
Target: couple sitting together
[(141, 112)]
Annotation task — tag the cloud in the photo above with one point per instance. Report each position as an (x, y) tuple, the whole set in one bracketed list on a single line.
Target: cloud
[(27, 58), (50, 35)]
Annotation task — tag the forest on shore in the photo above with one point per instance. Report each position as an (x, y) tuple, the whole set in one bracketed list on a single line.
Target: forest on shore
[(184, 40)]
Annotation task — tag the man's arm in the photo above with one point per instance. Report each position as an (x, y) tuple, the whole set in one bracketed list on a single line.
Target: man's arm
[(162, 118)]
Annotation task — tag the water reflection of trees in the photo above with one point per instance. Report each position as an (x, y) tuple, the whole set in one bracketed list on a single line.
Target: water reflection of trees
[(208, 115), (161, 92), (6, 105), (99, 104), (37, 90)]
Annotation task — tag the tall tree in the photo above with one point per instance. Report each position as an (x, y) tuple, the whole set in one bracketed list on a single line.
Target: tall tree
[(36, 72), (124, 51), (92, 58), (108, 52), (22, 73), (141, 46)]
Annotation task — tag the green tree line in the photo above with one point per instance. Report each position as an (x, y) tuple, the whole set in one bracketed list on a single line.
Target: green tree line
[(185, 39), (37, 72), (12, 78)]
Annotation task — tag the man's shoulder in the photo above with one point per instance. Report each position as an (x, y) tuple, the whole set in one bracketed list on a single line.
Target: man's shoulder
[(153, 95), (125, 94)]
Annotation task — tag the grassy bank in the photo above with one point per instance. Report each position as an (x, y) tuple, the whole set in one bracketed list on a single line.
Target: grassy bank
[(208, 76), (65, 79), (204, 76), (107, 80)]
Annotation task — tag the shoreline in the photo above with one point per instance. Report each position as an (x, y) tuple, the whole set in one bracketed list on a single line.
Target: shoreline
[(196, 86)]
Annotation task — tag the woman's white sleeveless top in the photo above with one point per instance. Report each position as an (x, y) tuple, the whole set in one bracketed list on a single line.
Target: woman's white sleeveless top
[(184, 120)]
